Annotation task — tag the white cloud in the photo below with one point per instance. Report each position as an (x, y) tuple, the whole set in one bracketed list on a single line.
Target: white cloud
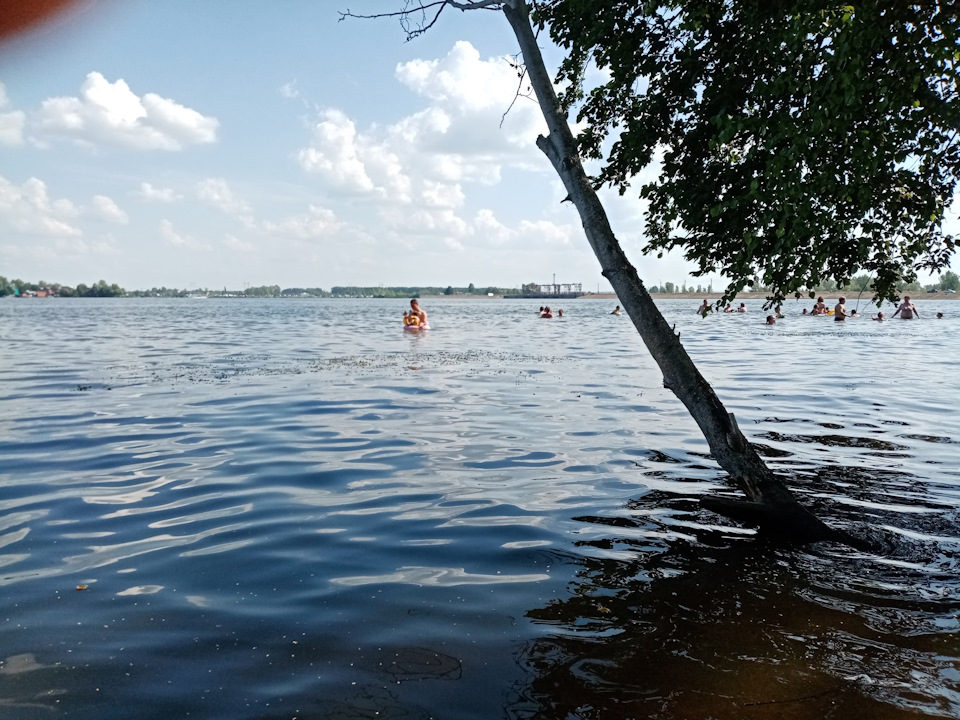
[(152, 194), (28, 209), (334, 153), (11, 128), (178, 240), (289, 90), (216, 192), (237, 245), (489, 229), (11, 123), (172, 236), (108, 210), (316, 222), (108, 113), (547, 232), (414, 173), (474, 95), (414, 226), (76, 246), (461, 79), (441, 195)]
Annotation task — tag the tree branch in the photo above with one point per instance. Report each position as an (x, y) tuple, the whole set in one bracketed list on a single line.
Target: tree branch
[(476, 5), (522, 74), (436, 8)]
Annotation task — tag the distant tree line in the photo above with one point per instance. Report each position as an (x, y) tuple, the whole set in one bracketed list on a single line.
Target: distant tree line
[(949, 280), (21, 287), (860, 283), (669, 288), (102, 289)]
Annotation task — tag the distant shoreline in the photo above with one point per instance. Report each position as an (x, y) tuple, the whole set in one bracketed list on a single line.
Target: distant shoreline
[(606, 297)]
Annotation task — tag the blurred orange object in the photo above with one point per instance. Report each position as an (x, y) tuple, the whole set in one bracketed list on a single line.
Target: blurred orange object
[(19, 15)]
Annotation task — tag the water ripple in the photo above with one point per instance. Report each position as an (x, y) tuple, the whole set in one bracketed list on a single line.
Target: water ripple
[(487, 520)]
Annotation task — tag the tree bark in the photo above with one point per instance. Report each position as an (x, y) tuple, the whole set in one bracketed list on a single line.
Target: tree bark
[(771, 503)]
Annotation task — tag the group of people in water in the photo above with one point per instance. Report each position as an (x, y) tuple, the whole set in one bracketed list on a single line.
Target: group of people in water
[(546, 312), (840, 312), (416, 318)]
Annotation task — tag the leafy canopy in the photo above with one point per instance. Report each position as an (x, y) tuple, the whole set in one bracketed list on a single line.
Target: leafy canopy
[(799, 141)]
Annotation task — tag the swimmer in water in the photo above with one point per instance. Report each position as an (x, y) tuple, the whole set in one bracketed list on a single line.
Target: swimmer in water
[(415, 310), (840, 310), (907, 310)]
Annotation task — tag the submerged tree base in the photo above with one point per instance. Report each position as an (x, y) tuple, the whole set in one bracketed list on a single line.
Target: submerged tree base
[(790, 521)]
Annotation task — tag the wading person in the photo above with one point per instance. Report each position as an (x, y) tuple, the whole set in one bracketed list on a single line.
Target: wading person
[(840, 310), (415, 310), (907, 310)]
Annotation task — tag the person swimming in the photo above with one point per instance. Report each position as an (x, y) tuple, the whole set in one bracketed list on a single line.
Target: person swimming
[(771, 320), (616, 310)]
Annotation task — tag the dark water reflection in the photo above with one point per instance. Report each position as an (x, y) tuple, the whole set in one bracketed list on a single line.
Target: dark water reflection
[(743, 629), (277, 515)]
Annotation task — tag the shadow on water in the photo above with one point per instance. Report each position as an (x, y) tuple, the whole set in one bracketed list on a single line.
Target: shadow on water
[(711, 622)]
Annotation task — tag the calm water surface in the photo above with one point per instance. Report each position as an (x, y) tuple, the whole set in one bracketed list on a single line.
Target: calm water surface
[(293, 509)]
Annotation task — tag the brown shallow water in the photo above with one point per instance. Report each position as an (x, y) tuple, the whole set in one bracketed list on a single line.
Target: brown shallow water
[(274, 515)]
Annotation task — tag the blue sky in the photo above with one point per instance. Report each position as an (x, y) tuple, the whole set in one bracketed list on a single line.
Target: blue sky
[(223, 144)]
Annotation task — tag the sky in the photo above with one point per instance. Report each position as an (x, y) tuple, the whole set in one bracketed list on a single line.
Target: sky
[(192, 145)]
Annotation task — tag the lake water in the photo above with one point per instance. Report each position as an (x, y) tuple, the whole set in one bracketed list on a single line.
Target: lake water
[(293, 509)]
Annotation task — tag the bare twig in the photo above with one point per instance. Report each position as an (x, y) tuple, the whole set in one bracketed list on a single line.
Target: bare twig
[(522, 74), (425, 10)]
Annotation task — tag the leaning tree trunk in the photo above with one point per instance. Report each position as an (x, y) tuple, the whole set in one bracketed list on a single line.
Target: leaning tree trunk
[(771, 502)]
